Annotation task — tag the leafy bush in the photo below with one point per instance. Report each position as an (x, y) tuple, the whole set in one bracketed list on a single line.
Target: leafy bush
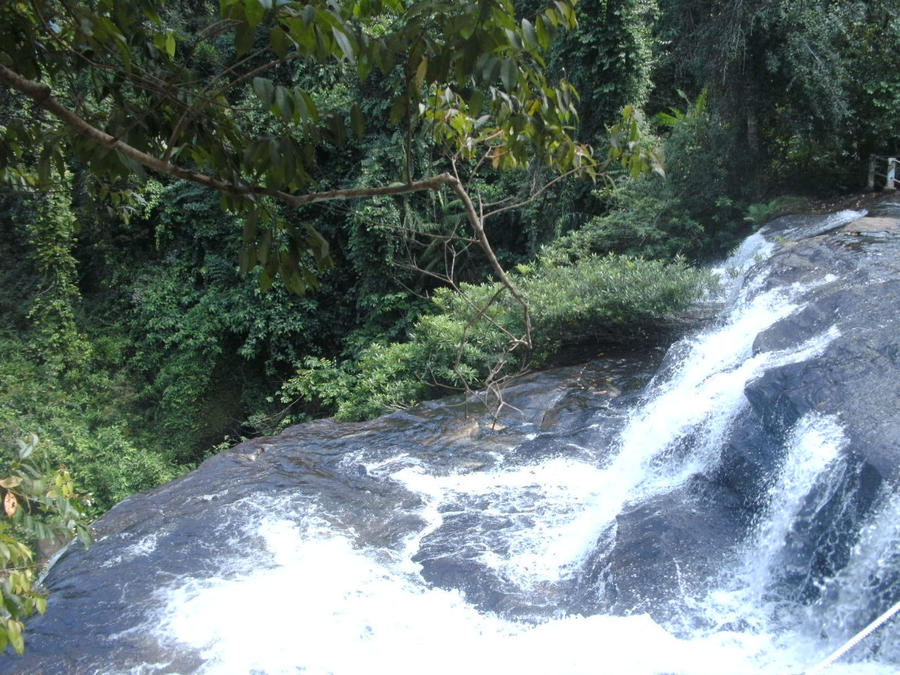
[(695, 210), (39, 504), (761, 213), (645, 219), (86, 417), (611, 298), (465, 337)]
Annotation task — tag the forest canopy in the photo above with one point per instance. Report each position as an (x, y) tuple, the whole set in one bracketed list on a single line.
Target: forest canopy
[(144, 92)]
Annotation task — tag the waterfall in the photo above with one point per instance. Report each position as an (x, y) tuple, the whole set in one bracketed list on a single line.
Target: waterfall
[(528, 524), (377, 550)]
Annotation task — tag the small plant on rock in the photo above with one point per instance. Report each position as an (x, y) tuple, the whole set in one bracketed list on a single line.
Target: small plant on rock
[(39, 505)]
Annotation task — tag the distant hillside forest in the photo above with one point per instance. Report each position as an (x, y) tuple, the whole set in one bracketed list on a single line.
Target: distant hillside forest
[(219, 219)]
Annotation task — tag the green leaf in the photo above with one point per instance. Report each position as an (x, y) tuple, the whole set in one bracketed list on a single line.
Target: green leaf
[(170, 44), (265, 247), (467, 27), (284, 103), (345, 44), (490, 68), (302, 33), (244, 36), (357, 121), (273, 262), (43, 168), (254, 11), (319, 246), (509, 73), (543, 35), (131, 164), (250, 228), (25, 449), (247, 254), (398, 109), (531, 40), (264, 89), (363, 65), (476, 102), (14, 633), (281, 43), (307, 106)]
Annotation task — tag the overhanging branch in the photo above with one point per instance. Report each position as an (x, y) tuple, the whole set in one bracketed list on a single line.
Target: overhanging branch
[(42, 95)]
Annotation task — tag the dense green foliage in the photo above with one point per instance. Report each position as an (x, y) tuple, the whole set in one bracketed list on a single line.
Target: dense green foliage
[(183, 265), (805, 88), (456, 346), (88, 418)]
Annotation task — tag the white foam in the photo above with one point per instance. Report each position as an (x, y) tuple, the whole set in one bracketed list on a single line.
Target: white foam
[(316, 604), (813, 447), (544, 505)]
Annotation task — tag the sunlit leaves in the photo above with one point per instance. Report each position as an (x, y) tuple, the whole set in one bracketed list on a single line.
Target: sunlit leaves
[(631, 147), (41, 504), (458, 344), (170, 44), (512, 130)]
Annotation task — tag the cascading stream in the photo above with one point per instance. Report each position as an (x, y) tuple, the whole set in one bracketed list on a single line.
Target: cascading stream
[(573, 541), (532, 524)]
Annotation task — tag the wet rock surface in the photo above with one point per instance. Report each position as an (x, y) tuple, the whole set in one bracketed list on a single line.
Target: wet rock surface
[(99, 597), (655, 551), (855, 270), (858, 376), (666, 547)]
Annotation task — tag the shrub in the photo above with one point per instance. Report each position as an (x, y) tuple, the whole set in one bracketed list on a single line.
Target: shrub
[(83, 415), (464, 339)]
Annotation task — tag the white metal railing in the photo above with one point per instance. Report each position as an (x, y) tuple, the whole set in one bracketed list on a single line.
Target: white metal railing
[(856, 639), (890, 175)]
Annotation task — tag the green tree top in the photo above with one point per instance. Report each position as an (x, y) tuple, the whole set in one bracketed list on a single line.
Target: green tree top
[(123, 88)]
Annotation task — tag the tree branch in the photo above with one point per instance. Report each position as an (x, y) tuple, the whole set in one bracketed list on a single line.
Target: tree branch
[(42, 95), (478, 226), (534, 194)]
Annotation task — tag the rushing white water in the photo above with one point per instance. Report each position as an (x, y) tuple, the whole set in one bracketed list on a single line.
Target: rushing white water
[(813, 448), (316, 603), (850, 594), (741, 596), (331, 608), (738, 274), (313, 596)]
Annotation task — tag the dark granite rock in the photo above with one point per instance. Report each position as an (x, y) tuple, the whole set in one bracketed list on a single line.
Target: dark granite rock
[(656, 551), (662, 549)]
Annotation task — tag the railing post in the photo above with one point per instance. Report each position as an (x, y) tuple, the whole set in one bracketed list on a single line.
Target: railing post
[(870, 184), (889, 183)]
